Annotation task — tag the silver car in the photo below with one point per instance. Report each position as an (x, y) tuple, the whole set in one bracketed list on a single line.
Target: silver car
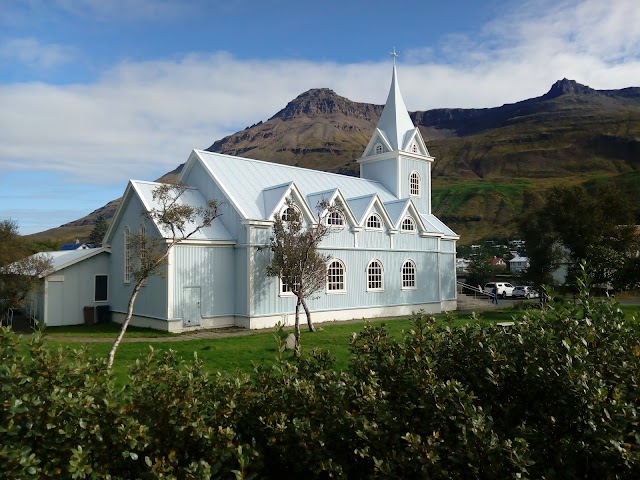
[(525, 291)]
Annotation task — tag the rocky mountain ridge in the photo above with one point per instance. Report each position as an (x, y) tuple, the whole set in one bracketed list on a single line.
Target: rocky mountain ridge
[(572, 133)]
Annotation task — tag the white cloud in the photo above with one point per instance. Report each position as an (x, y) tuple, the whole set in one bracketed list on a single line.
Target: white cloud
[(34, 54)]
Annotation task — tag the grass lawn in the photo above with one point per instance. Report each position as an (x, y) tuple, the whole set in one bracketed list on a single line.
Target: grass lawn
[(240, 353)]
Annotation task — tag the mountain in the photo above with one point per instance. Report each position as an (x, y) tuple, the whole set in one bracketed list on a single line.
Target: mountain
[(491, 163)]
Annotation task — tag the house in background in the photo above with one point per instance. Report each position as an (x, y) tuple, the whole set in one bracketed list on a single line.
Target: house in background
[(390, 255), (496, 262), (79, 278), (462, 265), (77, 245), (518, 264)]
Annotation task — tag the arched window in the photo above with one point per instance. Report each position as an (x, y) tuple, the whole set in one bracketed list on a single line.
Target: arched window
[(379, 148), (127, 255), (289, 213), (335, 219), (409, 274), (414, 184), (374, 276), (335, 276), (408, 225), (374, 222)]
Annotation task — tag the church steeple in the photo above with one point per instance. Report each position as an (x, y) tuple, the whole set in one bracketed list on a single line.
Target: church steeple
[(396, 155), (395, 122)]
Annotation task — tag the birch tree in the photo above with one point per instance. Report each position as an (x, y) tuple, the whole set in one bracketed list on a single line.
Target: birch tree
[(177, 222), (296, 260)]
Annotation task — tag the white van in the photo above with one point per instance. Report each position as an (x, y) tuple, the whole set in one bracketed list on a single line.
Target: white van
[(504, 289)]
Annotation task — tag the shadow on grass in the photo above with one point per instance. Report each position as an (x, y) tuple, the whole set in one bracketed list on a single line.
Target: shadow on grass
[(103, 330)]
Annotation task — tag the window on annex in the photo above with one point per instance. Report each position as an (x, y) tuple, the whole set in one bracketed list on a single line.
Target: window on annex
[(127, 255), (409, 274), (414, 184), (379, 148), (408, 225), (100, 291), (374, 222), (335, 219), (374, 276), (335, 276)]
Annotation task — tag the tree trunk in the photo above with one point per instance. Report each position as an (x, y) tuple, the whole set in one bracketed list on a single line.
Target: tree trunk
[(125, 324), (297, 349), (306, 310)]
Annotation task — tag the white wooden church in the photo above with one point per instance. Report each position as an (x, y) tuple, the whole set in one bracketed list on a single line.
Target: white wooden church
[(390, 255)]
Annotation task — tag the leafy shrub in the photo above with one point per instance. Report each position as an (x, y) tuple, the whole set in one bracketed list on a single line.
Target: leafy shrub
[(554, 396)]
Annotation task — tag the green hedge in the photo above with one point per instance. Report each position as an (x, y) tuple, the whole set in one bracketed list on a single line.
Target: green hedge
[(554, 396)]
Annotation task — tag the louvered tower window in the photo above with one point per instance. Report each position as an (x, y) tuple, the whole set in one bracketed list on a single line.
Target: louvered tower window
[(414, 184)]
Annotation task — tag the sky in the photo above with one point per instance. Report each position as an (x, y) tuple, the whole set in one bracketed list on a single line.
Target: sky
[(96, 92)]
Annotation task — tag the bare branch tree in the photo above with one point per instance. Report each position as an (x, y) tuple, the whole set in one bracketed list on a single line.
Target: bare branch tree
[(177, 222), (296, 260)]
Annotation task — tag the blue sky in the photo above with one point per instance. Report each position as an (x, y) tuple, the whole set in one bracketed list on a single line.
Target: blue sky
[(95, 92)]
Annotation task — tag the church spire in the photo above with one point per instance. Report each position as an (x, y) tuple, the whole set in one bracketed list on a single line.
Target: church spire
[(395, 122)]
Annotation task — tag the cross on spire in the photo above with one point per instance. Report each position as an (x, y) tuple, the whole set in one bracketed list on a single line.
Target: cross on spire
[(394, 54)]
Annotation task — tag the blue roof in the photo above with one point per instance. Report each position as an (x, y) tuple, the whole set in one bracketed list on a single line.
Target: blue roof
[(75, 246), (191, 196), (256, 188), (249, 183)]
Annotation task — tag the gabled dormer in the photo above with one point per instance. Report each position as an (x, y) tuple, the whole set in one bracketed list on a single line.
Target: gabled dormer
[(396, 155), (333, 197), (275, 202)]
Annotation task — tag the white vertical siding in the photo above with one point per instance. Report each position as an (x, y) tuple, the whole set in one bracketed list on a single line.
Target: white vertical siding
[(260, 236), (374, 239), (448, 246), (72, 290), (211, 269), (342, 237), (242, 274), (200, 178), (448, 276), (268, 300), (152, 300), (409, 165), (384, 172), (411, 241)]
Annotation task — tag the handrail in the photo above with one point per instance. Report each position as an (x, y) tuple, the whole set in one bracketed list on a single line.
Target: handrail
[(8, 316), (472, 288)]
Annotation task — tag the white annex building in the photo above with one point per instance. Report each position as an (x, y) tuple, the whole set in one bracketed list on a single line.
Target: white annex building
[(390, 255)]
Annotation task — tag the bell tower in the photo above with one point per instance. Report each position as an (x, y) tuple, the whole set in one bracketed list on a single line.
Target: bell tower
[(396, 155)]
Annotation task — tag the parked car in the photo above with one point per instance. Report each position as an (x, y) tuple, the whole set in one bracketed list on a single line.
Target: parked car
[(504, 289), (525, 292)]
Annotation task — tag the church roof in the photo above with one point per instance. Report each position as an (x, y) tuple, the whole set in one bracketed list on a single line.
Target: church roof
[(249, 184), (192, 197), (256, 188), (395, 122)]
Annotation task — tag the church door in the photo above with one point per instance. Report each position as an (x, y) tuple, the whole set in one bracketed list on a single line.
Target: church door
[(191, 306)]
